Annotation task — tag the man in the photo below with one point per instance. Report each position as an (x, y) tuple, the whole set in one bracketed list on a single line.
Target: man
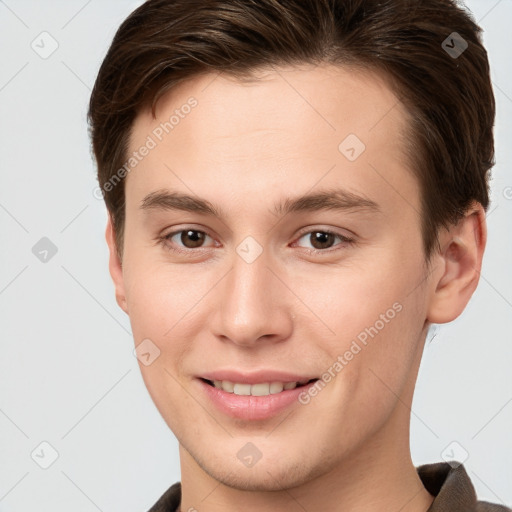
[(296, 192)]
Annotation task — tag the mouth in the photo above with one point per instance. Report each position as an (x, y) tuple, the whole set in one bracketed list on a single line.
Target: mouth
[(259, 389), (254, 394), (258, 401)]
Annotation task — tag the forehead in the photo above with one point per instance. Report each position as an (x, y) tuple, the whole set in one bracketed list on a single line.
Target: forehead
[(285, 126), (327, 98)]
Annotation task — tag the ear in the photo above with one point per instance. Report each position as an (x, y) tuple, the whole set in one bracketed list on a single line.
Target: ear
[(115, 266), (462, 249)]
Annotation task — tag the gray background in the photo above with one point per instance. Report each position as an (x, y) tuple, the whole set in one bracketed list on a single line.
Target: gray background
[(67, 371)]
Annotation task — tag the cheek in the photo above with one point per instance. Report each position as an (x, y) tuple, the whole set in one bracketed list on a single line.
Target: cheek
[(158, 306), (348, 301), (160, 296), (377, 315)]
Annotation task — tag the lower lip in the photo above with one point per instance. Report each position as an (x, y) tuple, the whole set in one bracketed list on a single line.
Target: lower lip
[(248, 407)]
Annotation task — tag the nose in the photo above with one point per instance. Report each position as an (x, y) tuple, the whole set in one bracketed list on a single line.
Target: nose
[(254, 305)]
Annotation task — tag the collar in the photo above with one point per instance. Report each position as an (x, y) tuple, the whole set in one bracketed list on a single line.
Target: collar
[(450, 485)]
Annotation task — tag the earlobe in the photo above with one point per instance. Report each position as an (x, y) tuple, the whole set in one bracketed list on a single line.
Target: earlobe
[(462, 248), (115, 266)]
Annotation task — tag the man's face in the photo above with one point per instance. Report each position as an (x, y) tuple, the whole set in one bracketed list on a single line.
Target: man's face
[(243, 297)]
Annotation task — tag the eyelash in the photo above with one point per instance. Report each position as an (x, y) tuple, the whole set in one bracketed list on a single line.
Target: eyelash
[(165, 239), (345, 240)]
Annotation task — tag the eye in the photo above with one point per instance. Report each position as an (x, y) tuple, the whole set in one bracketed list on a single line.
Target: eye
[(322, 240), (186, 240), (189, 238)]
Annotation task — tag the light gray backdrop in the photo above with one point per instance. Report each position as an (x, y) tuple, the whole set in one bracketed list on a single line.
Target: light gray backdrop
[(68, 377)]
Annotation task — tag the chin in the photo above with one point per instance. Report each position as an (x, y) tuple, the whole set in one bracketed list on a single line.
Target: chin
[(266, 475), (264, 479)]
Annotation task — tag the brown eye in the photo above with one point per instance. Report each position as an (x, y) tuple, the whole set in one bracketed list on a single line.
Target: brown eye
[(196, 238), (185, 239), (323, 240)]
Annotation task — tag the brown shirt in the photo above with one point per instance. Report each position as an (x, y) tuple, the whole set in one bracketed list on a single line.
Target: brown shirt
[(451, 487)]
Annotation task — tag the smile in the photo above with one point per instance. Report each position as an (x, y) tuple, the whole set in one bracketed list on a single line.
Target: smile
[(260, 389), (251, 401)]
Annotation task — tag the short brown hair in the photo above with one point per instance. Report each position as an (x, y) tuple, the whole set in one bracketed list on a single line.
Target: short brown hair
[(449, 97)]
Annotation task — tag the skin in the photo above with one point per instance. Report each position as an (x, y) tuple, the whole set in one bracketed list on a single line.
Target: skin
[(244, 147)]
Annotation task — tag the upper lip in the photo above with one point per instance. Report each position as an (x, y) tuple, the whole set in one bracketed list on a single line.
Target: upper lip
[(255, 376)]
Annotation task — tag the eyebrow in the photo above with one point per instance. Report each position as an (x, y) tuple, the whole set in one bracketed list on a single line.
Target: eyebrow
[(333, 199)]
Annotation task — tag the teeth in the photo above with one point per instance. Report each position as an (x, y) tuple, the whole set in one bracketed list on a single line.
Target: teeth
[(276, 387), (226, 386), (261, 389), (242, 389)]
